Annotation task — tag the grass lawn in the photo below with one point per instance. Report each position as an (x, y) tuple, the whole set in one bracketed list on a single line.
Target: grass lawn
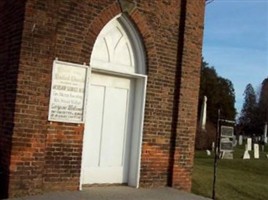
[(236, 179)]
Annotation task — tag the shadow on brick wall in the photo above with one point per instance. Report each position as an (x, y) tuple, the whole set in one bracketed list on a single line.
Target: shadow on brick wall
[(173, 136), (11, 26)]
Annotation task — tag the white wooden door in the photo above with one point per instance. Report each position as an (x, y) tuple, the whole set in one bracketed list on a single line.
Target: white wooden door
[(107, 130)]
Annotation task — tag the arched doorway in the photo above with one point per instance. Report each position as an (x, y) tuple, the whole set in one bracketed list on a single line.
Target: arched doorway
[(115, 107)]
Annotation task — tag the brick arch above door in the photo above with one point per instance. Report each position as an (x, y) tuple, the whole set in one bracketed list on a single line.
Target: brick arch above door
[(137, 22)]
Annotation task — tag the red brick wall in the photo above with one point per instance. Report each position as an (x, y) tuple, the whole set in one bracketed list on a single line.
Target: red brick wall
[(172, 92), (47, 156), (188, 94), (162, 67), (30, 121)]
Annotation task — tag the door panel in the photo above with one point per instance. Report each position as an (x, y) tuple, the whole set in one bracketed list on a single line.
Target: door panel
[(97, 103), (114, 129), (107, 130)]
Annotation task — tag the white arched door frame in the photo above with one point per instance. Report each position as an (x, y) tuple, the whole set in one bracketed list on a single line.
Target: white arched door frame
[(133, 68)]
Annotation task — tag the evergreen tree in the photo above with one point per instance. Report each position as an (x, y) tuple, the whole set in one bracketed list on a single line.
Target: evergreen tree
[(263, 102), (227, 99), (248, 118)]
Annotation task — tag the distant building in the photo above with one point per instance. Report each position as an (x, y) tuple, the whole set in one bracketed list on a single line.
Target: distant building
[(139, 119)]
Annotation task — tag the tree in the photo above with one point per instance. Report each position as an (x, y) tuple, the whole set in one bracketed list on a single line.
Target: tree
[(220, 94), (227, 98), (263, 102), (208, 87), (248, 117), (254, 113)]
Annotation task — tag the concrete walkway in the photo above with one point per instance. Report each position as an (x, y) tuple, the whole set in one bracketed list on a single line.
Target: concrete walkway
[(118, 193)]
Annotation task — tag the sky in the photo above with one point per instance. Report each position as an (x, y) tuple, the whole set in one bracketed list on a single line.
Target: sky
[(236, 42)]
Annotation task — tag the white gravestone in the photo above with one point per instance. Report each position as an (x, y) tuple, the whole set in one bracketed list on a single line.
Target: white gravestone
[(246, 154), (256, 151), (249, 144), (240, 140), (213, 146), (234, 142)]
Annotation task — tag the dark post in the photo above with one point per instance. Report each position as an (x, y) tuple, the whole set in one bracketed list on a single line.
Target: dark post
[(216, 156)]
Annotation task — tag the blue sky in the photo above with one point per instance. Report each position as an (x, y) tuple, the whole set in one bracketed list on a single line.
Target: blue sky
[(236, 42)]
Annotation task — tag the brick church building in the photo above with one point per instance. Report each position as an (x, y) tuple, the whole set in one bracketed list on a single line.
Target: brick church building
[(98, 92)]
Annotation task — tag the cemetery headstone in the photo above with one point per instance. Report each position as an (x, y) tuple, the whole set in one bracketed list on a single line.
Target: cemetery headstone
[(234, 142), (249, 144), (227, 155), (256, 151), (240, 140), (246, 154), (213, 146)]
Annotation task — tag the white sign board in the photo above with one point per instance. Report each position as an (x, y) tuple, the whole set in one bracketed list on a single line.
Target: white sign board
[(67, 95), (227, 131), (226, 146)]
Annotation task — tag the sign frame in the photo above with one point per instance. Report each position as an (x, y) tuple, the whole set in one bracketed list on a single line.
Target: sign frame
[(68, 85)]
